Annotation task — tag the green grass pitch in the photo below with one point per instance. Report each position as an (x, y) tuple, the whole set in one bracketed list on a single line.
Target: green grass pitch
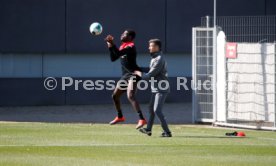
[(47, 144)]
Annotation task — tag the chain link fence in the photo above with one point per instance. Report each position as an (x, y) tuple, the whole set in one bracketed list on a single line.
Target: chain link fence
[(251, 29)]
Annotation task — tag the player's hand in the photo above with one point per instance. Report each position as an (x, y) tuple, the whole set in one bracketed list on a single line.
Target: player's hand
[(138, 73), (109, 40)]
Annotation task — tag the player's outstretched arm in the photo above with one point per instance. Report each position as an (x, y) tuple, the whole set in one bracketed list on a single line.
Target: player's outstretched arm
[(155, 68)]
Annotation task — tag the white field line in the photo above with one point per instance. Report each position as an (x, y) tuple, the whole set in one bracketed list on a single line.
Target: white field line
[(152, 145), (131, 145), (264, 138)]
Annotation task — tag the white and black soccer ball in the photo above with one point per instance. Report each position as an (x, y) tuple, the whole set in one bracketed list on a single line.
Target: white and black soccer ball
[(95, 28)]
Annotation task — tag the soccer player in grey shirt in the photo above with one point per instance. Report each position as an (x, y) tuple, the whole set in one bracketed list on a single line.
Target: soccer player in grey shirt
[(158, 76)]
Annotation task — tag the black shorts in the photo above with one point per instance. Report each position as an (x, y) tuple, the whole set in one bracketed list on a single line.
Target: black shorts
[(123, 82)]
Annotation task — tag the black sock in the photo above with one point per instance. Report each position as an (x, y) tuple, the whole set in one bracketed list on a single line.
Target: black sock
[(120, 114), (140, 115)]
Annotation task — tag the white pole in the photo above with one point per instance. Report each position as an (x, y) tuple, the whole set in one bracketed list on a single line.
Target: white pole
[(207, 25), (215, 13), (215, 64), (194, 76)]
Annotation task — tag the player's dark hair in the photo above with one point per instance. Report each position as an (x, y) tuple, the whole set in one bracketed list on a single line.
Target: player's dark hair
[(156, 42), (131, 33)]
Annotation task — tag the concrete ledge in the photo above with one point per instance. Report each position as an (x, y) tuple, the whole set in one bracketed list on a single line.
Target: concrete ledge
[(176, 113)]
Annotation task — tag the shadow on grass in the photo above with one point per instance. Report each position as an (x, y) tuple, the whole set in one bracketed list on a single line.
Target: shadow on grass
[(209, 137)]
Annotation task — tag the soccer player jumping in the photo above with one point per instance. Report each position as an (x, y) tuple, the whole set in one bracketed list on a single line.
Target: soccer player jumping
[(127, 54)]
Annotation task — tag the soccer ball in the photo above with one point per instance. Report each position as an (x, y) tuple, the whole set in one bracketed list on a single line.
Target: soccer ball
[(95, 28)]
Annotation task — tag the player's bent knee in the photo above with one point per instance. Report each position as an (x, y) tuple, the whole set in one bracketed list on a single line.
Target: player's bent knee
[(114, 96)]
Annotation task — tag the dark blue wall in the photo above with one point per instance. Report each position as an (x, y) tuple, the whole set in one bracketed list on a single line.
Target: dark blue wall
[(32, 26), (241, 7), (270, 7), (146, 17), (61, 26)]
